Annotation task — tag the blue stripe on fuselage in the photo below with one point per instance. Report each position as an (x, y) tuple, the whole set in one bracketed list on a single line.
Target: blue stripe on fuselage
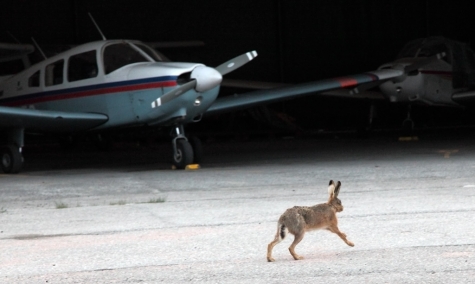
[(90, 90)]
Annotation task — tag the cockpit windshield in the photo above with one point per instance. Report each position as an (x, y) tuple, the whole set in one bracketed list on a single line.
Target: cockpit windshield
[(457, 54), (122, 54), (424, 47), (149, 51)]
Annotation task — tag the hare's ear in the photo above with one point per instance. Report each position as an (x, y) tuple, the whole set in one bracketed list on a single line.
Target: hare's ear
[(337, 189), (331, 188)]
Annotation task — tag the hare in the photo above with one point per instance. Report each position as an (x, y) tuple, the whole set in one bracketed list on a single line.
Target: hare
[(300, 219)]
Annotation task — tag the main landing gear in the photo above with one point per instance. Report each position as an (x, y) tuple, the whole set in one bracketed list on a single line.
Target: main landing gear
[(408, 123), (186, 151), (11, 157)]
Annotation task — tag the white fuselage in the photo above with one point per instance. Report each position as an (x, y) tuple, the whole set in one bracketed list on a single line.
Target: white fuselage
[(116, 78), (431, 84)]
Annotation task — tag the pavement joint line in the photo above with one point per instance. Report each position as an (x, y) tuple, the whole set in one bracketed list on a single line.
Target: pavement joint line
[(26, 237), (408, 213)]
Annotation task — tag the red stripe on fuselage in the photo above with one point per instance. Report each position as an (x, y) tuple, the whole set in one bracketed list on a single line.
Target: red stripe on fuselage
[(92, 92)]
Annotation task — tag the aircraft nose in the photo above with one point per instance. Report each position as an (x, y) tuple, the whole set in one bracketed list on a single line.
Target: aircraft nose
[(206, 78)]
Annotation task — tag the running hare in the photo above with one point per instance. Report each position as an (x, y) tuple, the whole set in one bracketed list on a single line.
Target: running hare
[(300, 219)]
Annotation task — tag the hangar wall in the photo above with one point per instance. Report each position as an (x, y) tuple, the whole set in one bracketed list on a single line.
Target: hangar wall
[(296, 40)]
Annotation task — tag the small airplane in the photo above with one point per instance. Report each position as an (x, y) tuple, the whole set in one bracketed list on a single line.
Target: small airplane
[(437, 72), (114, 84), (434, 71), (118, 84)]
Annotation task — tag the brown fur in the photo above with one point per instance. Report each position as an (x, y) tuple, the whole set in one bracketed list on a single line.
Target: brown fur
[(301, 219)]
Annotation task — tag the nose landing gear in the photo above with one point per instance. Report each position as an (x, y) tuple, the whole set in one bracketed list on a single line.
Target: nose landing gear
[(185, 151), (182, 152)]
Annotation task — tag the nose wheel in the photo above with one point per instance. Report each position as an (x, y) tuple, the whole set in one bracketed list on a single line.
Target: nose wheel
[(185, 151)]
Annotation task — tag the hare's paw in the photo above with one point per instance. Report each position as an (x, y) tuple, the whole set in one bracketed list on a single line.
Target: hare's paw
[(350, 244), (298, 257), (270, 259)]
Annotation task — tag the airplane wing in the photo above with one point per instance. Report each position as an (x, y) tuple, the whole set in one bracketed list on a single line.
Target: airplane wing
[(13, 51), (48, 121), (361, 92), (266, 96), (464, 97)]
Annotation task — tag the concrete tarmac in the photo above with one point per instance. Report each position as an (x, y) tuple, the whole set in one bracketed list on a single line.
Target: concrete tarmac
[(125, 217)]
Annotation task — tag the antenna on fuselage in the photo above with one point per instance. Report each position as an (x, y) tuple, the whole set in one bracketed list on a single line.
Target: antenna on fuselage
[(13, 37), (24, 57), (39, 48), (97, 26)]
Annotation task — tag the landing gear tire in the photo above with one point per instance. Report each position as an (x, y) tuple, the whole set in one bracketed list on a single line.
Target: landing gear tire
[(183, 155), (12, 159), (197, 149)]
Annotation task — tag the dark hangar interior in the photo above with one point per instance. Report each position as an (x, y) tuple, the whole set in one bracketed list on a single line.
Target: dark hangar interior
[(297, 41)]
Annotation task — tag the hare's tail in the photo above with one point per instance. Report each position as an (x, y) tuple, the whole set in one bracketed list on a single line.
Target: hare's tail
[(282, 231)]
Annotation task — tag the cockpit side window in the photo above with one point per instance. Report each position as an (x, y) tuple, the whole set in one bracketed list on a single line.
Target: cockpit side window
[(119, 55), (82, 66), (54, 73)]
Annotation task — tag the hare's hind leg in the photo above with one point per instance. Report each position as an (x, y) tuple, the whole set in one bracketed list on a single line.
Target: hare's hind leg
[(279, 236), (334, 229), (297, 239)]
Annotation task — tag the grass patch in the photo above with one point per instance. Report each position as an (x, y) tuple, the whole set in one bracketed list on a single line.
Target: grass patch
[(60, 205), (157, 200), (120, 202), (3, 210)]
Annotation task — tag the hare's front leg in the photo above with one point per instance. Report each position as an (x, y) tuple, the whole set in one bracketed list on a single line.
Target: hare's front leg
[(334, 229), (297, 239)]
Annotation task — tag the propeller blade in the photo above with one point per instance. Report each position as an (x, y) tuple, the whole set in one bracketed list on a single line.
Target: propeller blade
[(236, 62), (174, 94)]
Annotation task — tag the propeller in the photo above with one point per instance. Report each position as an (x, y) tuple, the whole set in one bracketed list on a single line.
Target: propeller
[(204, 78), (236, 62), (174, 93)]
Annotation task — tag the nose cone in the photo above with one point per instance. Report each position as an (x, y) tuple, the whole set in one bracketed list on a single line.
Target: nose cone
[(206, 78)]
